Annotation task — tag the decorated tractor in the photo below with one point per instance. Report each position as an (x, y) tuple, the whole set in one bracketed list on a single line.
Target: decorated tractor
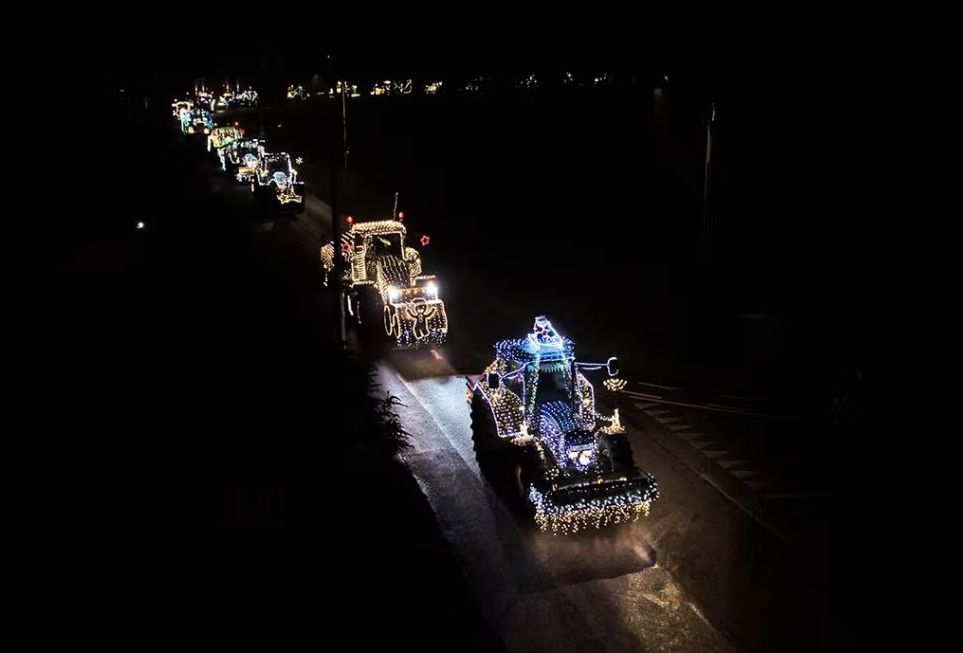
[(221, 137), (180, 108), (245, 99), (241, 158), (539, 439), (275, 184), (384, 287), (197, 121)]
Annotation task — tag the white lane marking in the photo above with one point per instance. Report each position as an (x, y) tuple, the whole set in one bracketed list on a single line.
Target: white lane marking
[(710, 407), (772, 496), (692, 436), (712, 482), (642, 394), (661, 387)]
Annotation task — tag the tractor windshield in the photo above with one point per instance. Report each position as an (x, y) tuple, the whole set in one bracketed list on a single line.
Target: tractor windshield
[(553, 382), (274, 164), (387, 244)]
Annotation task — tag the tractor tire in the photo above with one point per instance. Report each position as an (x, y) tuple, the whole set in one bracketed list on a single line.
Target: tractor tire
[(506, 467)]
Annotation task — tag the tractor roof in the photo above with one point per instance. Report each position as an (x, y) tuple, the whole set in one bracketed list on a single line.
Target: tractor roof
[(543, 344), (378, 227)]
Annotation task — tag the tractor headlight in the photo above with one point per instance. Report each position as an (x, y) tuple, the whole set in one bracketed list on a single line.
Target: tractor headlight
[(393, 294)]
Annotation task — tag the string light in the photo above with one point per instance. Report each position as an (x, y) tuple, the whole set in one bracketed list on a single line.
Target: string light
[(222, 137), (414, 313), (246, 154), (274, 170), (537, 403), (614, 385)]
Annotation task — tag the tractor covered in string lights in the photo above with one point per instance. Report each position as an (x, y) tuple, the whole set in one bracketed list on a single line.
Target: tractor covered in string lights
[(197, 121), (276, 185), (181, 108), (297, 92), (240, 159), (245, 99), (538, 437), (384, 287), (221, 137)]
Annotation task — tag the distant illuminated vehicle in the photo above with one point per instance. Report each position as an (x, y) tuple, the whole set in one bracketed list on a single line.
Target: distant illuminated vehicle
[(223, 101), (297, 92), (221, 137), (539, 438), (180, 107), (528, 81), (276, 185), (244, 99), (385, 289), (197, 121), (241, 158)]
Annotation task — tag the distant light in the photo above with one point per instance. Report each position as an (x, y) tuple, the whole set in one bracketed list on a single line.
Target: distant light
[(393, 294), (279, 125), (349, 220), (140, 224), (236, 124), (401, 215), (665, 77)]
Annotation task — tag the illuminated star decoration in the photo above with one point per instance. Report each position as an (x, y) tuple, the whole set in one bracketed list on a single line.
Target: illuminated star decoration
[(299, 160), (346, 248), (425, 240)]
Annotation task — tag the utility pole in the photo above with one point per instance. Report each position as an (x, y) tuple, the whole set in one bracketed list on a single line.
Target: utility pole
[(344, 122), (706, 186), (340, 142)]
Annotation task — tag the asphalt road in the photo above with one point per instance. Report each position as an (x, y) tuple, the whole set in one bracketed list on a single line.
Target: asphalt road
[(710, 569)]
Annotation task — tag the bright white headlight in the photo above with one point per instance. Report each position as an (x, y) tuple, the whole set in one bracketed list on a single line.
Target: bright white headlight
[(393, 294)]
